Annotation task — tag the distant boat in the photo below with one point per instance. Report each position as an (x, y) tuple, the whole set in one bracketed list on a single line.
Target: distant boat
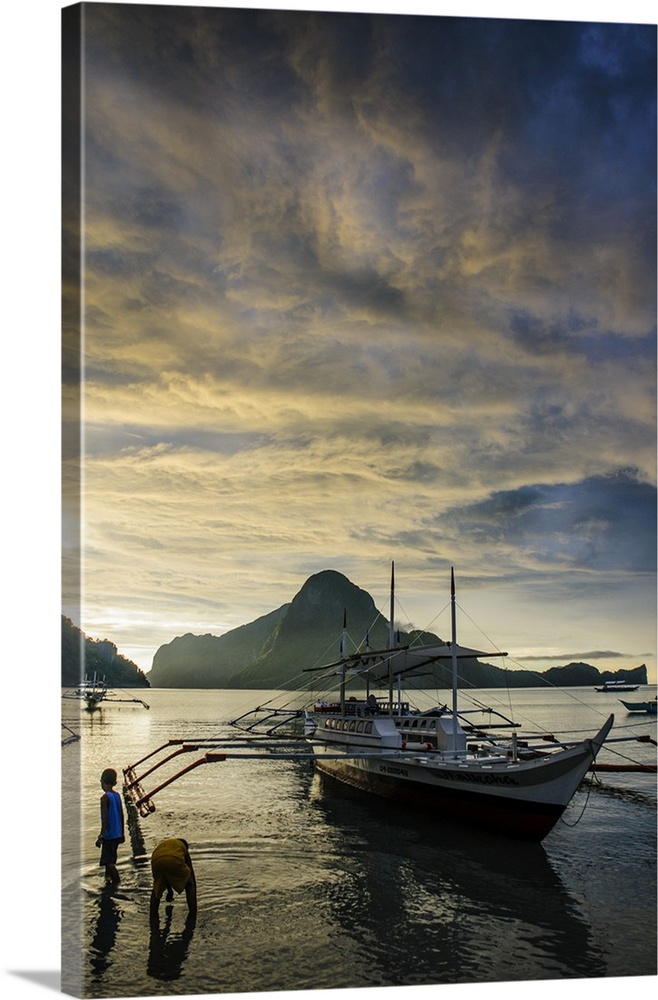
[(617, 686), (648, 707), (93, 691)]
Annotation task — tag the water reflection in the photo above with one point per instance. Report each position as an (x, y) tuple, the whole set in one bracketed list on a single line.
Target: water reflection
[(427, 901), (107, 925), (167, 951)]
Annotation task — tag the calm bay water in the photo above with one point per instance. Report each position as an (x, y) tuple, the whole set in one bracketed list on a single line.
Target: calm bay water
[(304, 884)]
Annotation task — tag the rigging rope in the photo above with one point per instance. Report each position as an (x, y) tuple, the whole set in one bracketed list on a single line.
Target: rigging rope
[(582, 812)]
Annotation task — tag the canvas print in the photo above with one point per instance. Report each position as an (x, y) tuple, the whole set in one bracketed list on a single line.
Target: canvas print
[(359, 495)]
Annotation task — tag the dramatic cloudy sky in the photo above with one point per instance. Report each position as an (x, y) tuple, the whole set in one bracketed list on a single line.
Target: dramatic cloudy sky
[(370, 287)]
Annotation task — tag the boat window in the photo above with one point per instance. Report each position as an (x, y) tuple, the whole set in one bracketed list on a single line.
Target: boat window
[(432, 724), (352, 726), (359, 727), (368, 727)]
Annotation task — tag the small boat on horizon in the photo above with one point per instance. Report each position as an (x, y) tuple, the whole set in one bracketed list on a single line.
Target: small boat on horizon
[(621, 685)]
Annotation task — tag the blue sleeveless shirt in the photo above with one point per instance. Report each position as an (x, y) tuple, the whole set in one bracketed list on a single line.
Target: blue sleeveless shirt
[(114, 829)]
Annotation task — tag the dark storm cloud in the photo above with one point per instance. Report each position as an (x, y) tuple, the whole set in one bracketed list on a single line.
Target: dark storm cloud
[(534, 335), (602, 523), (573, 335)]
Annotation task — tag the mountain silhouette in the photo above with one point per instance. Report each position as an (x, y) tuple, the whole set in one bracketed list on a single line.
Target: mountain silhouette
[(275, 649), (309, 632)]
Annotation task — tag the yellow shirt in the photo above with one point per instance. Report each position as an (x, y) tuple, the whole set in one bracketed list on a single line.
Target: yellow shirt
[(169, 866)]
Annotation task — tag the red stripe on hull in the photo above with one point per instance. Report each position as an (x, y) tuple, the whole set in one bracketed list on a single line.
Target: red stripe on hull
[(523, 820)]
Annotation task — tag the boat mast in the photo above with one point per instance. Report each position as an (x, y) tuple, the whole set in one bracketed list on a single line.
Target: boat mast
[(391, 641), (343, 654), (454, 657)]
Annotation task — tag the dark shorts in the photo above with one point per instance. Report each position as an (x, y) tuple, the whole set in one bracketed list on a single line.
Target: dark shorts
[(109, 850)]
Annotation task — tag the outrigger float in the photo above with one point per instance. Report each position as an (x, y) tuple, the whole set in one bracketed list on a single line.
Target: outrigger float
[(440, 760), (69, 735)]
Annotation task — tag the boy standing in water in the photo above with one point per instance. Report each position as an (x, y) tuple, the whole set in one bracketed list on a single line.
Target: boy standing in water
[(112, 829)]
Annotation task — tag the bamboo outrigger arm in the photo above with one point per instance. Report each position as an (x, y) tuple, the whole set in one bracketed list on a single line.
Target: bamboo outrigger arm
[(183, 749), (128, 701), (133, 789), (143, 801), (627, 765)]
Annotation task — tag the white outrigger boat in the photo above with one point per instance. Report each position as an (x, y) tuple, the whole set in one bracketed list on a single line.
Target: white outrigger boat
[(611, 686), (441, 759), (93, 691)]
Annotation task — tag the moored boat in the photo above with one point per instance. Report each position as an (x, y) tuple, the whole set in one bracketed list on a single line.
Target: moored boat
[(647, 707), (621, 685), (92, 691), (443, 760)]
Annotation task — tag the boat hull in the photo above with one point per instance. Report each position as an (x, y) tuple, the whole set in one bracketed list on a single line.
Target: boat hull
[(648, 707), (530, 822), (524, 800)]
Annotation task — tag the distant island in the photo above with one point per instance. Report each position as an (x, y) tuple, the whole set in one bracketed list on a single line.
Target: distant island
[(274, 650), (83, 656)]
